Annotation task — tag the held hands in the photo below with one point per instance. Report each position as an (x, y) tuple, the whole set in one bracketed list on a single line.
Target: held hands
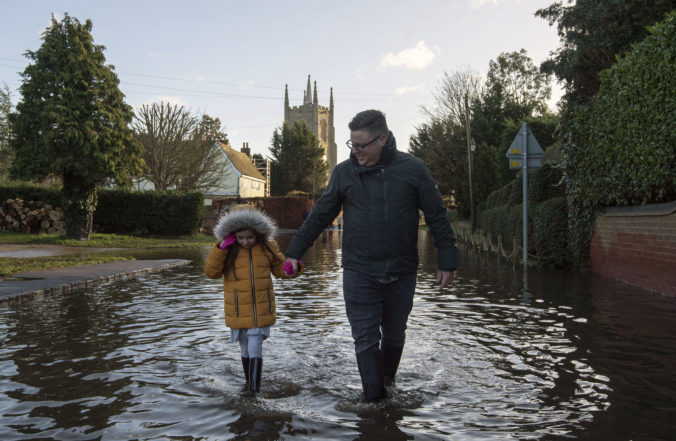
[(227, 242), (291, 265), (444, 278)]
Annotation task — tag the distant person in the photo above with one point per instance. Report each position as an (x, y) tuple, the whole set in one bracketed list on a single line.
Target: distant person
[(245, 256), (380, 190), (340, 222)]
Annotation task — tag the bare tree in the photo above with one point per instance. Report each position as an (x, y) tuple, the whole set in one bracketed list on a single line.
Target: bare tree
[(202, 158), (5, 151), (179, 149), (449, 96)]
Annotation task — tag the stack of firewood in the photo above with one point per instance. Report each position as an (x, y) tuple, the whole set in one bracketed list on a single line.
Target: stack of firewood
[(31, 217)]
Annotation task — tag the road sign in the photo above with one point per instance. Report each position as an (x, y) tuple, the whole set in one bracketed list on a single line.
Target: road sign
[(525, 142), (525, 150), (516, 162)]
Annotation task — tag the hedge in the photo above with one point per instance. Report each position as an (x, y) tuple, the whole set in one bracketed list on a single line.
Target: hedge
[(624, 143), (127, 212), (551, 233), (31, 192), (155, 213)]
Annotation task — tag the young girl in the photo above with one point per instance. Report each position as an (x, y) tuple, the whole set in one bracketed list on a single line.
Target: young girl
[(245, 257)]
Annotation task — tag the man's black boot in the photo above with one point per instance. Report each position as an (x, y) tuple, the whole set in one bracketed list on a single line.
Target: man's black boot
[(391, 356), (245, 365), (255, 372), (371, 371)]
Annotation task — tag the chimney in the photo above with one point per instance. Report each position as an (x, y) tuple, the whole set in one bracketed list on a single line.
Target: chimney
[(245, 149)]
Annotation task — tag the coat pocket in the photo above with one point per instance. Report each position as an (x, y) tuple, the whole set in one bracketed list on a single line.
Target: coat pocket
[(270, 299), (236, 303)]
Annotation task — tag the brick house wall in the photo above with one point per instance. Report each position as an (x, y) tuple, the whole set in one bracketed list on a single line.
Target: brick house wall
[(286, 211), (637, 245)]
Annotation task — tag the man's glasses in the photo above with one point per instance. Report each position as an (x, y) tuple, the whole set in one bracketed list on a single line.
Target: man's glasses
[(360, 148)]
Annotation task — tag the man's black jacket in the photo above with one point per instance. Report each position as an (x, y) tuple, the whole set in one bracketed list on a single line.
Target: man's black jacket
[(380, 212)]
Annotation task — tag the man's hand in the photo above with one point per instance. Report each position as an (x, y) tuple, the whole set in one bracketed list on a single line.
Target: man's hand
[(444, 278), (294, 264)]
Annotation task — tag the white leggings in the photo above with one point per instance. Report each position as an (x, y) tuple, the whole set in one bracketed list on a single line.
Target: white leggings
[(251, 345)]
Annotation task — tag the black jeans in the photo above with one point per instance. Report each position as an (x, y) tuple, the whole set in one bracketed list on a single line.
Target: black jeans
[(377, 310)]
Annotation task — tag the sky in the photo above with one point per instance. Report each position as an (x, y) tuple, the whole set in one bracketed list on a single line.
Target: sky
[(232, 59)]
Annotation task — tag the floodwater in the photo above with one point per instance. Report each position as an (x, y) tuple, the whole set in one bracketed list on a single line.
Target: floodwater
[(572, 357)]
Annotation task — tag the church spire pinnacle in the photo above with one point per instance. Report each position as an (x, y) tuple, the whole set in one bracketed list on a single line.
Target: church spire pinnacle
[(314, 96), (308, 92)]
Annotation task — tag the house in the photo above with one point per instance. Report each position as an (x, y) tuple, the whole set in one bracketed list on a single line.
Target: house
[(240, 177)]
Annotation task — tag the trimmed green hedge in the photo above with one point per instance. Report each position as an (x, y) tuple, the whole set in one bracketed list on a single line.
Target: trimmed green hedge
[(550, 227), (118, 211), (624, 144), (155, 213), (31, 192), (502, 214)]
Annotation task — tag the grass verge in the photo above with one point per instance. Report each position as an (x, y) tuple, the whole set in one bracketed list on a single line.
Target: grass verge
[(107, 241), (12, 265)]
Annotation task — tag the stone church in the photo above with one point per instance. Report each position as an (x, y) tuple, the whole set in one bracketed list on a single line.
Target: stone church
[(318, 118)]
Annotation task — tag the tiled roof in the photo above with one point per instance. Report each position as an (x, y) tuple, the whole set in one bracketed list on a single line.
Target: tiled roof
[(241, 161)]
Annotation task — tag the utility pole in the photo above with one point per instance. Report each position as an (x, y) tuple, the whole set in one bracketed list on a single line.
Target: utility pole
[(469, 163)]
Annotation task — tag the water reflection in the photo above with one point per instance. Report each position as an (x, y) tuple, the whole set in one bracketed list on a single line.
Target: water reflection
[(573, 356)]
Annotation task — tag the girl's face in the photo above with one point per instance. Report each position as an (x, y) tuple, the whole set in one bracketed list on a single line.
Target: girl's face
[(245, 238)]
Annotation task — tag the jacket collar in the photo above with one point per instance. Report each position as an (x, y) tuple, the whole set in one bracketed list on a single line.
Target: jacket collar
[(386, 155)]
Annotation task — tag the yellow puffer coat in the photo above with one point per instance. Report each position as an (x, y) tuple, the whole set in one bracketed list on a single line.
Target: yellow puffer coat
[(249, 298)]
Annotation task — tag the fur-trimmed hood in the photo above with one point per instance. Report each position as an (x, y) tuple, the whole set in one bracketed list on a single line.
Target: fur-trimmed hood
[(242, 217)]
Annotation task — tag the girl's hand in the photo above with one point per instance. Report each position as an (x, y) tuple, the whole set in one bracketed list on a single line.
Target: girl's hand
[(227, 242), (291, 266)]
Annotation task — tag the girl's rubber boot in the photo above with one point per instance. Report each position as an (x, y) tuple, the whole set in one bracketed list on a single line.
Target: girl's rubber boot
[(245, 365), (391, 357), (370, 366), (255, 373)]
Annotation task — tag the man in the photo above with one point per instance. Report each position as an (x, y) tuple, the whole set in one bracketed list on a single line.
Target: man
[(380, 190)]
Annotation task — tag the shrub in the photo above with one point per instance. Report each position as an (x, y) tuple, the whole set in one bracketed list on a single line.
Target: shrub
[(624, 143), (149, 212), (551, 232), (31, 192)]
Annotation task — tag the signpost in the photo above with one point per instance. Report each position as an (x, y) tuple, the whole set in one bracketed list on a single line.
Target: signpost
[(524, 153)]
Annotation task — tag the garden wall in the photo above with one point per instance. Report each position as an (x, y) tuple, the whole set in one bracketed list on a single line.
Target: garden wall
[(286, 211), (637, 245)]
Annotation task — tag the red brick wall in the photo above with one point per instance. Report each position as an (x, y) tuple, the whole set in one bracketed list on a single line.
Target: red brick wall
[(286, 211), (637, 245)]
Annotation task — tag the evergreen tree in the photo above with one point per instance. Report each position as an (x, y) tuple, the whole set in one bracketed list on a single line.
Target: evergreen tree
[(297, 160), (72, 121)]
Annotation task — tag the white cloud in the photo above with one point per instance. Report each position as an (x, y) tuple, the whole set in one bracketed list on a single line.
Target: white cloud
[(408, 89), (173, 100), (417, 57), (476, 4), (359, 72)]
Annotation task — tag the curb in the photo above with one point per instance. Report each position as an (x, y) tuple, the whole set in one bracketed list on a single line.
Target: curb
[(83, 282)]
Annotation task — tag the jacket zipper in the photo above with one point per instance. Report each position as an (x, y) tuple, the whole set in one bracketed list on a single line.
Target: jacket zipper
[(253, 288), (387, 262)]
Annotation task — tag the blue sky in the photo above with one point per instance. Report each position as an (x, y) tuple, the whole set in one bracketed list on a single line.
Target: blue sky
[(231, 59)]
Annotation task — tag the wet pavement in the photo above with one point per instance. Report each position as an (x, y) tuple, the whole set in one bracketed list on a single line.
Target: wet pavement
[(35, 285)]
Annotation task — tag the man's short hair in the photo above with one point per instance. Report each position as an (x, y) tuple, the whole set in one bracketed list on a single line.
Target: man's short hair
[(372, 121)]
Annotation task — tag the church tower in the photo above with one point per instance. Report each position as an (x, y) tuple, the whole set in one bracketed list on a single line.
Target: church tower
[(318, 118)]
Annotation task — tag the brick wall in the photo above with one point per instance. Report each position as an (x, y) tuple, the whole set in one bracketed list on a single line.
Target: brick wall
[(286, 211), (638, 246)]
